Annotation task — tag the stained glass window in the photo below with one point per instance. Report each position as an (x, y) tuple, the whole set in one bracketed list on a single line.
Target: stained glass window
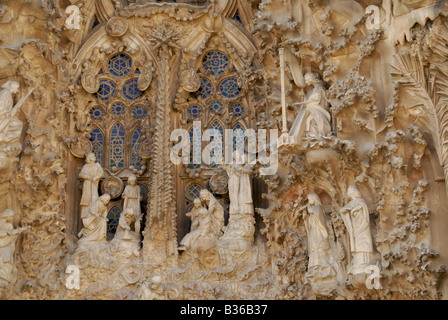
[(130, 89), (136, 161), (117, 109), (97, 140), (96, 113), (193, 191), (106, 89), (194, 111), (119, 65), (229, 87), (117, 141), (216, 106), (139, 112), (113, 216), (237, 110), (206, 88), (215, 62)]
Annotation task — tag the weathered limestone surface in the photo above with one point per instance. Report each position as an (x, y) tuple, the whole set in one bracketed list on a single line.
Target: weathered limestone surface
[(93, 207)]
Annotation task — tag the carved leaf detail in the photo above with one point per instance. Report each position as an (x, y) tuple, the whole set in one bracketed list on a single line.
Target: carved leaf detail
[(409, 73)]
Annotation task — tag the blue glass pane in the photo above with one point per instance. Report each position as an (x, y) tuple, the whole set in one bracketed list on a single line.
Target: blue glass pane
[(113, 216), (96, 113), (206, 88), (139, 112), (193, 191), (97, 140), (136, 161), (229, 88), (130, 89), (117, 109), (194, 111), (117, 146), (106, 89), (237, 17), (215, 62), (119, 65), (216, 106), (237, 110)]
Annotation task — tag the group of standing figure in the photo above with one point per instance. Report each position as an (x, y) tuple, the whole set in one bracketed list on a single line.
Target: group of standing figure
[(207, 215), (94, 208), (355, 215)]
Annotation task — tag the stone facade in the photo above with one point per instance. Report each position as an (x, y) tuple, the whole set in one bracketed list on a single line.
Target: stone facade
[(351, 97)]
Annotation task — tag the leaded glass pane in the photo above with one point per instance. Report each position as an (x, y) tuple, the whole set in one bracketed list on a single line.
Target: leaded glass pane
[(215, 62), (193, 191), (96, 113), (106, 89), (194, 111), (136, 161), (216, 106), (119, 65), (130, 89), (229, 88), (139, 112), (117, 141), (117, 109), (97, 140), (206, 88), (237, 110), (113, 216)]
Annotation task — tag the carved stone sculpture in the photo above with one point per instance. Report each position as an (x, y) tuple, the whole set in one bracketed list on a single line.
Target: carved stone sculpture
[(126, 238), (355, 215), (146, 75), (10, 126), (132, 198), (152, 290), (241, 220), (313, 117), (95, 222), (215, 210), (317, 233), (89, 79), (91, 173), (204, 230), (8, 238)]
